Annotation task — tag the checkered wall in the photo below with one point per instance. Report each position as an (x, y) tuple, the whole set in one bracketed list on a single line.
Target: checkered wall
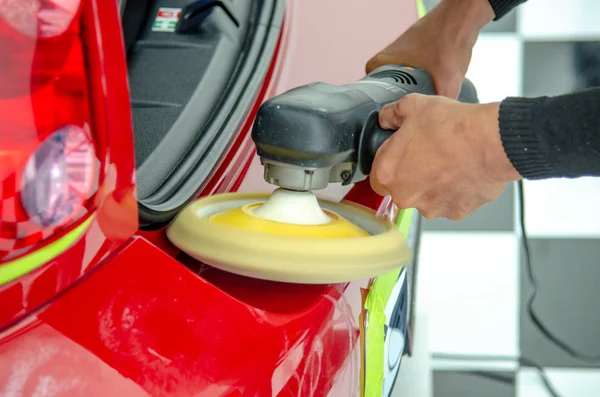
[(472, 288)]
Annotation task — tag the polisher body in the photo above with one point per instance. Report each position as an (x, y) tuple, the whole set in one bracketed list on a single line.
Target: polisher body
[(322, 133)]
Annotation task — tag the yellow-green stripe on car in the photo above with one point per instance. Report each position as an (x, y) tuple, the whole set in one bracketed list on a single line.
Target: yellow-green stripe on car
[(12, 270), (421, 10), (376, 301)]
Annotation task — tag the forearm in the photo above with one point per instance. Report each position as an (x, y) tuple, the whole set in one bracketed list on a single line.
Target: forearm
[(461, 20), (550, 137), (465, 18)]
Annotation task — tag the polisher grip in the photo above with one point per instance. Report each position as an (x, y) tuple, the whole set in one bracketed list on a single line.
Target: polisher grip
[(468, 92)]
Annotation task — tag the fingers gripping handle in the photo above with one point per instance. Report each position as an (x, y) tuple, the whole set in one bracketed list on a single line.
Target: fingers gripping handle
[(373, 136)]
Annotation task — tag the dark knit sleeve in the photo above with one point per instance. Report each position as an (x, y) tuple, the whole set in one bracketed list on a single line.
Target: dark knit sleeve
[(502, 7), (551, 137)]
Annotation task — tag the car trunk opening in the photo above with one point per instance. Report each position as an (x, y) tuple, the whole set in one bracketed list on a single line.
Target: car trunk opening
[(195, 68)]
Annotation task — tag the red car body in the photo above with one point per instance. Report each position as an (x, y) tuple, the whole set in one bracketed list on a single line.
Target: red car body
[(118, 311)]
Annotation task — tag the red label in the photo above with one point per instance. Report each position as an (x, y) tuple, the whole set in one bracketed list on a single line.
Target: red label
[(169, 14)]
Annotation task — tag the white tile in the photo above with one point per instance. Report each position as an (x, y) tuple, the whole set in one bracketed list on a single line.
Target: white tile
[(563, 208), (559, 19), (468, 285), (565, 381), (496, 66)]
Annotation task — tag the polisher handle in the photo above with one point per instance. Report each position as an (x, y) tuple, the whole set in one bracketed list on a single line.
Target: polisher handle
[(373, 136), (371, 139), (468, 92)]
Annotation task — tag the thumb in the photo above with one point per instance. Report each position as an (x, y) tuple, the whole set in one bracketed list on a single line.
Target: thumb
[(376, 184), (392, 115), (381, 170)]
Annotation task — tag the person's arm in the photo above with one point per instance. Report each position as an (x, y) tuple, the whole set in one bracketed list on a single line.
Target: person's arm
[(448, 158), (441, 42), (551, 137)]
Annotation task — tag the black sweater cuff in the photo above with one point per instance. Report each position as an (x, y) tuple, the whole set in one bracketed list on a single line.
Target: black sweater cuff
[(553, 137), (519, 133), (503, 7)]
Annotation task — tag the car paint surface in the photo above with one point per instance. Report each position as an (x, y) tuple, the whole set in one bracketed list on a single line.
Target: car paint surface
[(144, 320)]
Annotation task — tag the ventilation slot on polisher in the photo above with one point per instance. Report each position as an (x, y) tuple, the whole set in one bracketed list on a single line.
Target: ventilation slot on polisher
[(397, 75)]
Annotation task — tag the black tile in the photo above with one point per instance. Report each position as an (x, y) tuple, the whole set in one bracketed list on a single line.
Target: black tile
[(495, 216), (567, 272), (548, 68), (473, 384), (556, 68)]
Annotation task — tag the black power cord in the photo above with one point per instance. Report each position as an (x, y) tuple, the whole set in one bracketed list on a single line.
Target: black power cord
[(534, 289), (534, 318), (532, 315)]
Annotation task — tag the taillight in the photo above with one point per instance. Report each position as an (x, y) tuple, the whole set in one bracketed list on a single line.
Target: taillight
[(48, 163)]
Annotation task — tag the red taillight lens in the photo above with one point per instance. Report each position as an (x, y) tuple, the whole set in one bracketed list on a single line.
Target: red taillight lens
[(48, 163)]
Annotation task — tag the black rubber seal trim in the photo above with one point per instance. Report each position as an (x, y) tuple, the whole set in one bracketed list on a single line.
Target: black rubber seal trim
[(159, 208)]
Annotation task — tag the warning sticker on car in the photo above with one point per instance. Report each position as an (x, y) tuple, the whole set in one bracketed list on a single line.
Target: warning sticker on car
[(166, 19)]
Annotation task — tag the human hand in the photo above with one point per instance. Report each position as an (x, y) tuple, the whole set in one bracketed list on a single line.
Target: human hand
[(441, 42), (446, 158)]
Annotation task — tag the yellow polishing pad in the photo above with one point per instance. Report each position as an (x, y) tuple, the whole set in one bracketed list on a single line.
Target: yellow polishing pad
[(223, 231), (243, 218)]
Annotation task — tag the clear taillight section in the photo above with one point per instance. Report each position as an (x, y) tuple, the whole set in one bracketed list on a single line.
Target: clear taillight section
[(48, 163), (59, 177)]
